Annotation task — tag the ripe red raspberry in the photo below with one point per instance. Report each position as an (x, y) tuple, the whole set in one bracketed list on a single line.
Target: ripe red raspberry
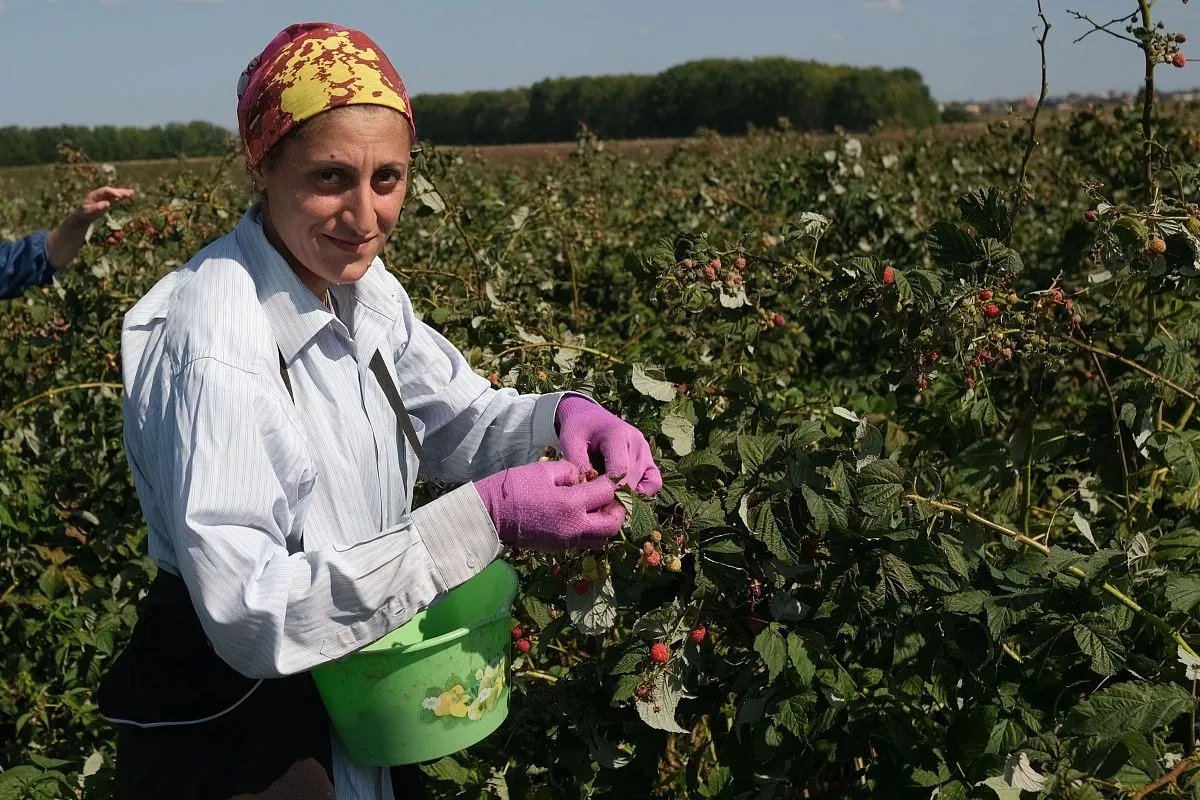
[(778, 321), (1179, 60), (710, 273), (1158, 246), (523, 646), (653, 559), (687, 263), (518, 633), (582, 587), (659, 653), (991, 310), (889, 276), (715, 263), (698, 634), (1091, 215), (985, 294), (739, 263)]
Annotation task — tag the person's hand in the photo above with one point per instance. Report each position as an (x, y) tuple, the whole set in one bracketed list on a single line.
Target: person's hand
[(64, 241), (549, 506), (592, 438)]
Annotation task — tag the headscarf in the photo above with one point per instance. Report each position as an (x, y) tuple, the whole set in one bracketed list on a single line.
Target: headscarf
[(307, 69)]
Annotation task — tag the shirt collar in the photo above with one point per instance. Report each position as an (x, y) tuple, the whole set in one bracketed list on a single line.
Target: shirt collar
[(294, 313)]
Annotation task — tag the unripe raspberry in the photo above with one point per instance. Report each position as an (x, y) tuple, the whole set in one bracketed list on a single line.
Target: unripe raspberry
[(698, 634), (1157, 246), (659, 653), (1181, 38), (985, 295), (645, 693), (710, 273), (556, 571), (922, 384), (889, 276), (653, 559), (647, 547), (715, 263), (1091, 215), (778, 321), (1056, 295), (934, 356), (656, 536), (523, 646), (674, 564), (739, 263), (687, 263)]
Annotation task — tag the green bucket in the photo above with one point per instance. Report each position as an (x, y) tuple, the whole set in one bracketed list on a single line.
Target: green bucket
[(433, 686)]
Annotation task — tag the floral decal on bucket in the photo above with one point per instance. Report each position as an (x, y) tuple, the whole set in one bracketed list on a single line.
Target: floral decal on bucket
[(465, 700)]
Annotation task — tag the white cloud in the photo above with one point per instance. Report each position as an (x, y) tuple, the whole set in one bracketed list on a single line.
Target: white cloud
[(885, 5)]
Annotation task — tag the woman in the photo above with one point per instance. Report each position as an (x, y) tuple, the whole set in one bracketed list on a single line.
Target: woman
[(280, 398), (34, 260)]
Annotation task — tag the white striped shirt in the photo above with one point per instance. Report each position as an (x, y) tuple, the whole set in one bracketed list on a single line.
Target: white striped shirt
[(291, 522)]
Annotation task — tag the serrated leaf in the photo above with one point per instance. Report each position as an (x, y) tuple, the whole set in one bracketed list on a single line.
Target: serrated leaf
[(953, 549), (1131, 706), (898, 574), (770, 645), (648, 381), (1101, 645), (538, 611), (715, 782), (681, 431), (93, 764), (660, 711), (447, 769), (755, 450), (1182, 592), (790, 716), (950, 246), (986, 212), (817, 509), (593, 613), (1085, 528), (630, 662), (798, 655)]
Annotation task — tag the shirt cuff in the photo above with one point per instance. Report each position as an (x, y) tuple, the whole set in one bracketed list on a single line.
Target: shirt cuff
[(39, 250), (545, 418), (459, 534)]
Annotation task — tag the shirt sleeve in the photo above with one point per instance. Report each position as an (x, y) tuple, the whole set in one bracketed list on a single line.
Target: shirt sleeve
[(471, 429), (235, 489), (24, 263)]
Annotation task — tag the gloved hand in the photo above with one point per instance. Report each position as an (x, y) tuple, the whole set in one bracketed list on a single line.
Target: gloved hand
[(548, 506), (592, 438)]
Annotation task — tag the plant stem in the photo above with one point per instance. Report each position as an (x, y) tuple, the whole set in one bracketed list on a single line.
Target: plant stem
[(1120, 596), (1032, 143), (60, 390), (1149, 373), (1169, 777), (1116, 419), (1148, 102), (537, 345)]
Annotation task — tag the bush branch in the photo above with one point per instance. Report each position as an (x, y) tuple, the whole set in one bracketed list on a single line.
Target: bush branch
[(1105, 28), (1032, 143), (61, 390), (1149, 373)]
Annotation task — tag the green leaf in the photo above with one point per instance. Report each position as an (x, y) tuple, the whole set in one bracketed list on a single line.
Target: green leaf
[(1001, 788), (950, 246), (649, 381), (971, 601), (715, 783), (898, 575), (681, 431), (631, 661), (1101, 645), (954, 790), (816, 509), (986, 212), (1183, 593), (659, 712), (771, 646), (626, 687), (1181, 544), (447, 769), (790, 715), (761, 521), (538, 611), (798, 655), (953, 549), (1132, 706), (755, 450)]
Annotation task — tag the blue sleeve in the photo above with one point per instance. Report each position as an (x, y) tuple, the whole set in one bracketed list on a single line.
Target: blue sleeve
[(24, 263)]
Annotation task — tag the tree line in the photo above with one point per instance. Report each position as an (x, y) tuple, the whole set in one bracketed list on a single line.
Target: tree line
[(728, 96)]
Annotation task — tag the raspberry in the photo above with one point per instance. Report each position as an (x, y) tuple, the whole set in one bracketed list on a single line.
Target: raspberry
[(934, 356), (889, 276), (687, 263), (523, 646), (970, 383), (647, 547), (556, 571), (985, 294), (645, 693), (678, 538), (582, 587), (710, 273), (991, 310), (494, 379), (1068, 304), (1056, 295), (518, 633), (698, 634), (656, 536), (1181, 38), (1076, 319), (739, 263), (1092, 215), (778, 321), (659, 653), (922, 384), (1158, 246), (1179, 60), (735, 279), (653, 559), (675, 564), (715, 263)]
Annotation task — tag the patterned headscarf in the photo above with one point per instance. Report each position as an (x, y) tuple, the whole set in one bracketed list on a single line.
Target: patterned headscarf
[(309, 68)]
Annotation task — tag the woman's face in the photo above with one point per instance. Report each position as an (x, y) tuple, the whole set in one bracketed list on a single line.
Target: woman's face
[(334, 191)]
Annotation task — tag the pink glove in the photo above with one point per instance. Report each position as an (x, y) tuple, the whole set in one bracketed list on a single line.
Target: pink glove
[(586, 432), (547, 506)]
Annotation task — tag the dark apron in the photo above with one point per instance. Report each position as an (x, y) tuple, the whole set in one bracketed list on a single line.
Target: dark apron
[(190, 727)]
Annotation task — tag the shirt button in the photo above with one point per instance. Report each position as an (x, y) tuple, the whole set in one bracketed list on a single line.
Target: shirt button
[(472, 563)]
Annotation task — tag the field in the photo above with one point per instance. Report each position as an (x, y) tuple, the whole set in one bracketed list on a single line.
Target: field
[(925, 406)]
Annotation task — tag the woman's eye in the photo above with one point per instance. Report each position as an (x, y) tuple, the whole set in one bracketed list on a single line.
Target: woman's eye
[(328, 177), (388, 177)]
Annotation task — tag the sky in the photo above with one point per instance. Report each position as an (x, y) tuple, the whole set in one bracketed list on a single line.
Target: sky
[(146, 62)]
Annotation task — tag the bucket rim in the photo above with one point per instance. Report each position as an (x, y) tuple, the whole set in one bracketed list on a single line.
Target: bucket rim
[(450, 636)]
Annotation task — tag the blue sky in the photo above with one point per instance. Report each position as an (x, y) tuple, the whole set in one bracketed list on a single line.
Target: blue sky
[(144, 62)]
